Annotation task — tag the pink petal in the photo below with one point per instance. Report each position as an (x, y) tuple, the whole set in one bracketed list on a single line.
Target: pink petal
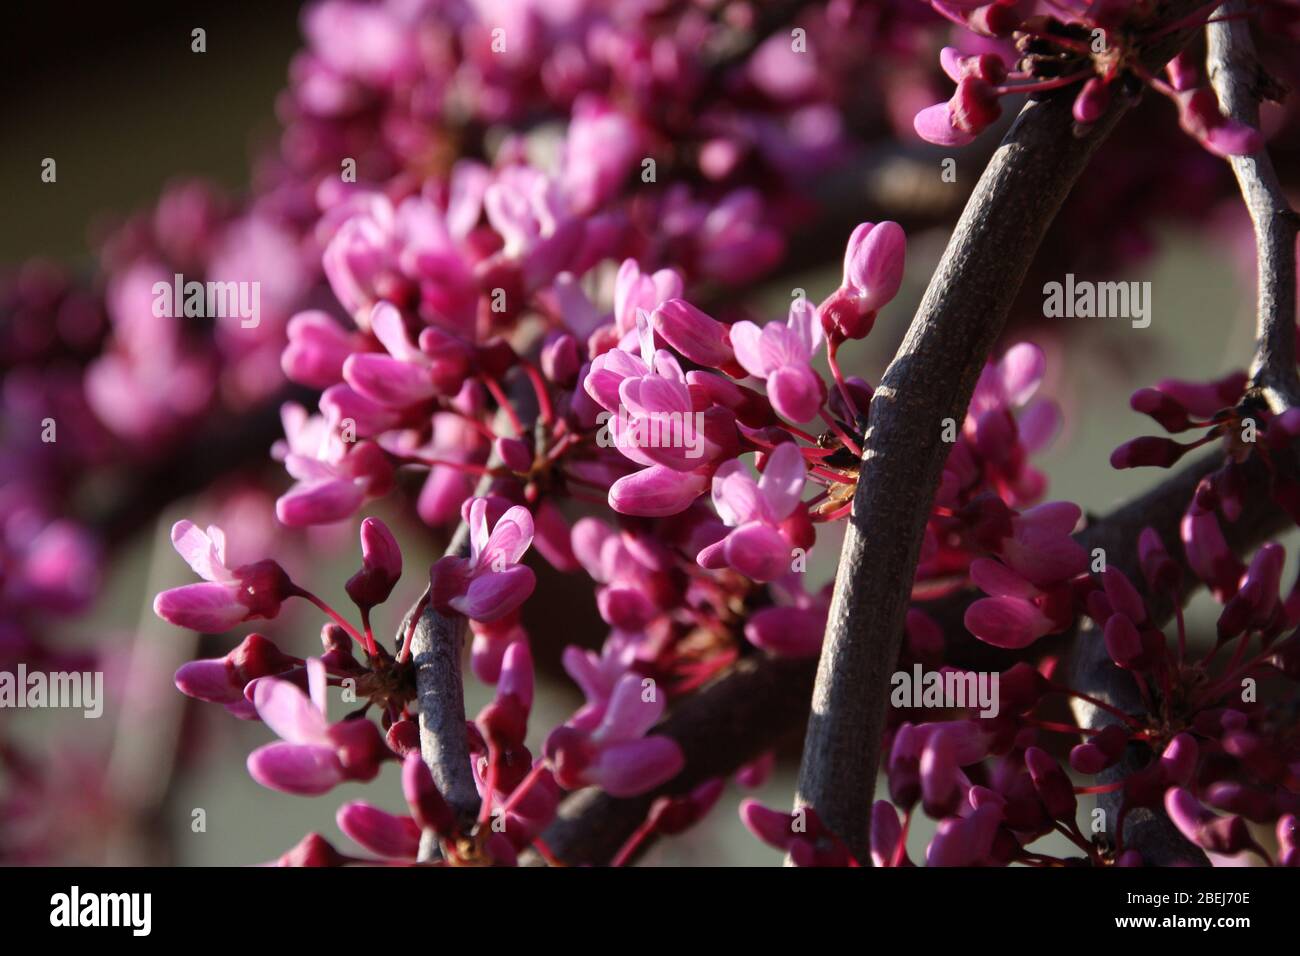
[(321, 502), (656, 492), (787, 631), (289, 712), (628, 715), (797, 392), (934, 125), (388, 381), (494, 594), (746, 338), (199, 551), (209, 608), (758, 551), (1020, 371), (378, 831), (509, 539), (304, 770), (997, 580), (1006, 622), (629, 769)]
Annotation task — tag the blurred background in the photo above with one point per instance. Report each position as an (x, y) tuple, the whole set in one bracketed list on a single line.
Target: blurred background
[(115, 95)]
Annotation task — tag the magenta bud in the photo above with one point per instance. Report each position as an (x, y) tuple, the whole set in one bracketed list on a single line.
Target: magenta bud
[(1147, 450), (403, 738), (1162, 573), (381, 565), (1052, 784), (1123, 642), (560, 361), (263, 586), (515, 453), (873, 263)]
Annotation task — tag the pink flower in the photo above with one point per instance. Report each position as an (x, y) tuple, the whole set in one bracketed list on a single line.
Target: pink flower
[(1001, 440), (333, 478), (229, 596), (541, 234), (616, 755), (762, 542), (410, 255), (597, 674), (631, 571), (782, 355), (407, 375), (313, 755), (318, 346), (222, 680), (491, 583), (1029, 585), (974, 105), (601, 148), (733, 244), (873, 272), (800, 834), (654, 421), (636, 290)]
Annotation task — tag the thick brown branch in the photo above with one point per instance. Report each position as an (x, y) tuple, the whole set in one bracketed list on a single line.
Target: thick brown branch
[(1238, 78), (929, 380)]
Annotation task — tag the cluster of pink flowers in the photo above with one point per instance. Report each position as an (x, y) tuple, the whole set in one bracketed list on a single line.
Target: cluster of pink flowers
[(1095, 48), (523, 293)]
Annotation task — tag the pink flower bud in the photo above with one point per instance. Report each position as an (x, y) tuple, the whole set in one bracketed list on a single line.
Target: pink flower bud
[(381, 565)]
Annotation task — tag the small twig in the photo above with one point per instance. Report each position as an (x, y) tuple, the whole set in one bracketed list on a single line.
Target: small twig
[(1237, 77)]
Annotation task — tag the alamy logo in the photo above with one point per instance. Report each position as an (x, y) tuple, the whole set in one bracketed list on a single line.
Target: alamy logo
[(73, 909), (214, 300), (653, 430), (76, 690), (948, 689), (1098, 300)]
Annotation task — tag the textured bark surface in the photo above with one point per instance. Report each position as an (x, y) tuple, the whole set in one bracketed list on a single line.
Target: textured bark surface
[(1241, 83)]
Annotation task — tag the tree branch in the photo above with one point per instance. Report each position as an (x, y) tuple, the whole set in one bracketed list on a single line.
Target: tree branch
[(930, 380), (436, 649), (1238, 78)]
